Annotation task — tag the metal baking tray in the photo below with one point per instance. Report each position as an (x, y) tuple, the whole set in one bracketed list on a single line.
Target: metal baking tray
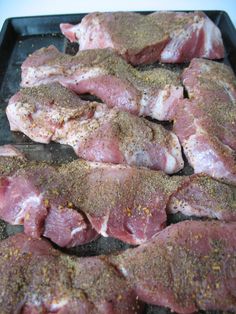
[(23, 35)]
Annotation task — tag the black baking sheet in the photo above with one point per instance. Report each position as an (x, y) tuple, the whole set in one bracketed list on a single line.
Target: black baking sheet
[(20, 37)]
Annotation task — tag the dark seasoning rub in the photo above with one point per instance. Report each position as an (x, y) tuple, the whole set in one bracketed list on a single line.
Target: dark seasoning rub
[(116, 65), (213, 261), (108, 191), (42, 271), (61, 95), (206, 186), (178, 261), (127, 37)]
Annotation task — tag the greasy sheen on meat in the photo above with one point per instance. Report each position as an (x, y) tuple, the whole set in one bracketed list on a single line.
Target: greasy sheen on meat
[(171, 37), (120, 201), (101, 72), (206, 123), (35, 278), (52, 113), (190, 266)]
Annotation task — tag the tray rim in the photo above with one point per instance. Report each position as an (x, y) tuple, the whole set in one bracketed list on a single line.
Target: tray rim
[(18, 18)]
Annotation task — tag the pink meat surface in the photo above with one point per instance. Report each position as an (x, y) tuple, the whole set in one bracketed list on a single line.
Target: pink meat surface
[(22, 203), (192, 35), (204, 77), (201, 196), (135, 37), (76, 230), (169, 37), (205, 124), (9, 150), (119, 201), (38, 279), (53, 113), (29, 196), (190, 266), (122, 202), (101, 72)]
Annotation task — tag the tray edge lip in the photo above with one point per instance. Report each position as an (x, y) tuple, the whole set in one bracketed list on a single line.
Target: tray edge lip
[(4, 28), (9, 19), (230, 23)]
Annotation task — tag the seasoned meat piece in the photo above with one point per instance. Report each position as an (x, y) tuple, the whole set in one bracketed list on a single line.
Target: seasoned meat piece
[(35, 278), (189, 266), (119, 201), (29, 196), (123, 202), (206, 124), (101, 72), (170, 37), (199, 195), (192, 35), (53, 113)]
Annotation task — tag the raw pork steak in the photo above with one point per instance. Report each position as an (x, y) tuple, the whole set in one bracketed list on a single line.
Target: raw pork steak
[(119, 201), (35, 278), (126, 203), (190, 266), (53, 113), (29, 196), (101, 72), (171, 37), (201, 196), (206, 123)]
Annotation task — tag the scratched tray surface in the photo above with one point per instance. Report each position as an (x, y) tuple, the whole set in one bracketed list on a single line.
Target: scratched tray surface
[(22, 36)]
